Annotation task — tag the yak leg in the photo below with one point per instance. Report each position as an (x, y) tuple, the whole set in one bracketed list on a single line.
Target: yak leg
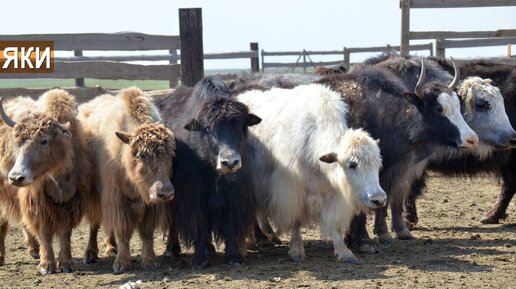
[(123, 258), (297, 251), (266, 228), (358, 236), (146, 231), (92, 251), (398, 224), (507, 192), (232, 254), (31, 242), (380, 226), (3, 233), (173, 246), (65, 252), (409, 206), (110, 245), (200, 258), (47, 264), (341, 250)]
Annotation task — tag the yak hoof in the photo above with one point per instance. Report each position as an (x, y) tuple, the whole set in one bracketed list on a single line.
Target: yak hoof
[(119, 268), (47, 268), (251, 244), (66, 267), (110, 252), (385, 238), (90, 257), (198, 265), (236, 264), (297, 255), (349, 259), (34, 254), (173, 252), (492, 219), (150, 265), (404, 235), (274, 239), (368, 249)]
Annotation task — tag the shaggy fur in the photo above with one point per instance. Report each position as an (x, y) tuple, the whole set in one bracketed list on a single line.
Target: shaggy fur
[(332, 70), (133, 169), (48, 135), (301, 163), (500, 163), (208, 124)]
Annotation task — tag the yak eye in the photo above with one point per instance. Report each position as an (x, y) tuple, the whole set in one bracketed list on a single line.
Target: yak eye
[(44, 142), (352, 165), (439, 109), (482, 105)]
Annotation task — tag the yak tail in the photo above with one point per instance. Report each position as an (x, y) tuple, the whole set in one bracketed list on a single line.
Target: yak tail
[(139, 106), (210, 87), (59, 104)]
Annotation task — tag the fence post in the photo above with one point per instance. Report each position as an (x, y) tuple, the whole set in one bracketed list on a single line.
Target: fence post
[(346, 58), (431, 48), (304, 61), (173, 82), (79, 82), (190, 33), (263, 61), (405, 27), (255, 62), (439, 49)]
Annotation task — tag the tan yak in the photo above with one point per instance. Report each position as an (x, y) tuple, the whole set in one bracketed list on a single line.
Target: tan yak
[(131, 152), (43, 173)]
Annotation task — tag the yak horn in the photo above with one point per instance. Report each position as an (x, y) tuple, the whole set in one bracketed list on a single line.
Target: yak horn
[(456, 71), (421, 80), (4, 116)]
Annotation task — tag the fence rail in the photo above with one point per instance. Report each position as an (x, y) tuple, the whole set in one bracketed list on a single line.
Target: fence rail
[(469, 38)]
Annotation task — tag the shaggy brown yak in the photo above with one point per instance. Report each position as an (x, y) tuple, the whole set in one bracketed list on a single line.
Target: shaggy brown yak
[(131, 152), (43, 154)]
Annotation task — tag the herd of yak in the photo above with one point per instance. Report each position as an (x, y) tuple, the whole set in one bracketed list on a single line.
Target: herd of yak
[(220, 162)]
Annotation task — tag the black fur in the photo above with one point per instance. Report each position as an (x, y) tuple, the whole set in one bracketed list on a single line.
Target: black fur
[(208, 202), (501, 163)]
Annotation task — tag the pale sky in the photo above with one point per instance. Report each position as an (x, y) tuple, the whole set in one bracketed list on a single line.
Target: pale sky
[(230, 25)]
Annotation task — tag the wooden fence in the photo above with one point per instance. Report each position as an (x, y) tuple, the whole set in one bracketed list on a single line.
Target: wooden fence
[(189, 42), (453, 39), (304, 59)]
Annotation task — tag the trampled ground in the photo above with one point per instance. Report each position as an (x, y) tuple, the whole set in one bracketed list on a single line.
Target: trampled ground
[(452, 250)]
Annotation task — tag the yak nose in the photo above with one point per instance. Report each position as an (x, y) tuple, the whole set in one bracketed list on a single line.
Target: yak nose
[(16, 179), (378, 199), (470, 143), (166, 193), (229, 164)]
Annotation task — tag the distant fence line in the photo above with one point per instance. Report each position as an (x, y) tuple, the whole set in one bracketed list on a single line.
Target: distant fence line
[(304, 59)]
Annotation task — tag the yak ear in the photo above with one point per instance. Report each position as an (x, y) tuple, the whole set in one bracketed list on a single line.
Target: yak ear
[(414, 100), (253, 119), (64, 128), (329, 158), (193, 125), (124, 137)]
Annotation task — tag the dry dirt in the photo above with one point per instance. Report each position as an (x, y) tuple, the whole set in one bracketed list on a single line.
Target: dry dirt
[(451, 250)]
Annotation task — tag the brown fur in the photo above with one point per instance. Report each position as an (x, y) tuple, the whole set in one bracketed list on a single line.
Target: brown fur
[(128, 172), (53, 203)]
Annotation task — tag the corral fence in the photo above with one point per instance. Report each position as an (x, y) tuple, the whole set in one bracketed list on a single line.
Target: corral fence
[(455, 39), (187, 47), (304, 59)]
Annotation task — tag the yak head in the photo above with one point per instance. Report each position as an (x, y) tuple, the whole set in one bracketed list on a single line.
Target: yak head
[(222, 124), (357, 162), (41, 146), (439, 106), (147, 160)]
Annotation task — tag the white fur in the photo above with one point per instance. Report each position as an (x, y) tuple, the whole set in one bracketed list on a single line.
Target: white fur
[(451, 109), (293, 186)]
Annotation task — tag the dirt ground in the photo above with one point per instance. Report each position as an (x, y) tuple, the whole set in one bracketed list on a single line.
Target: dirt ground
[(451, 250)]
